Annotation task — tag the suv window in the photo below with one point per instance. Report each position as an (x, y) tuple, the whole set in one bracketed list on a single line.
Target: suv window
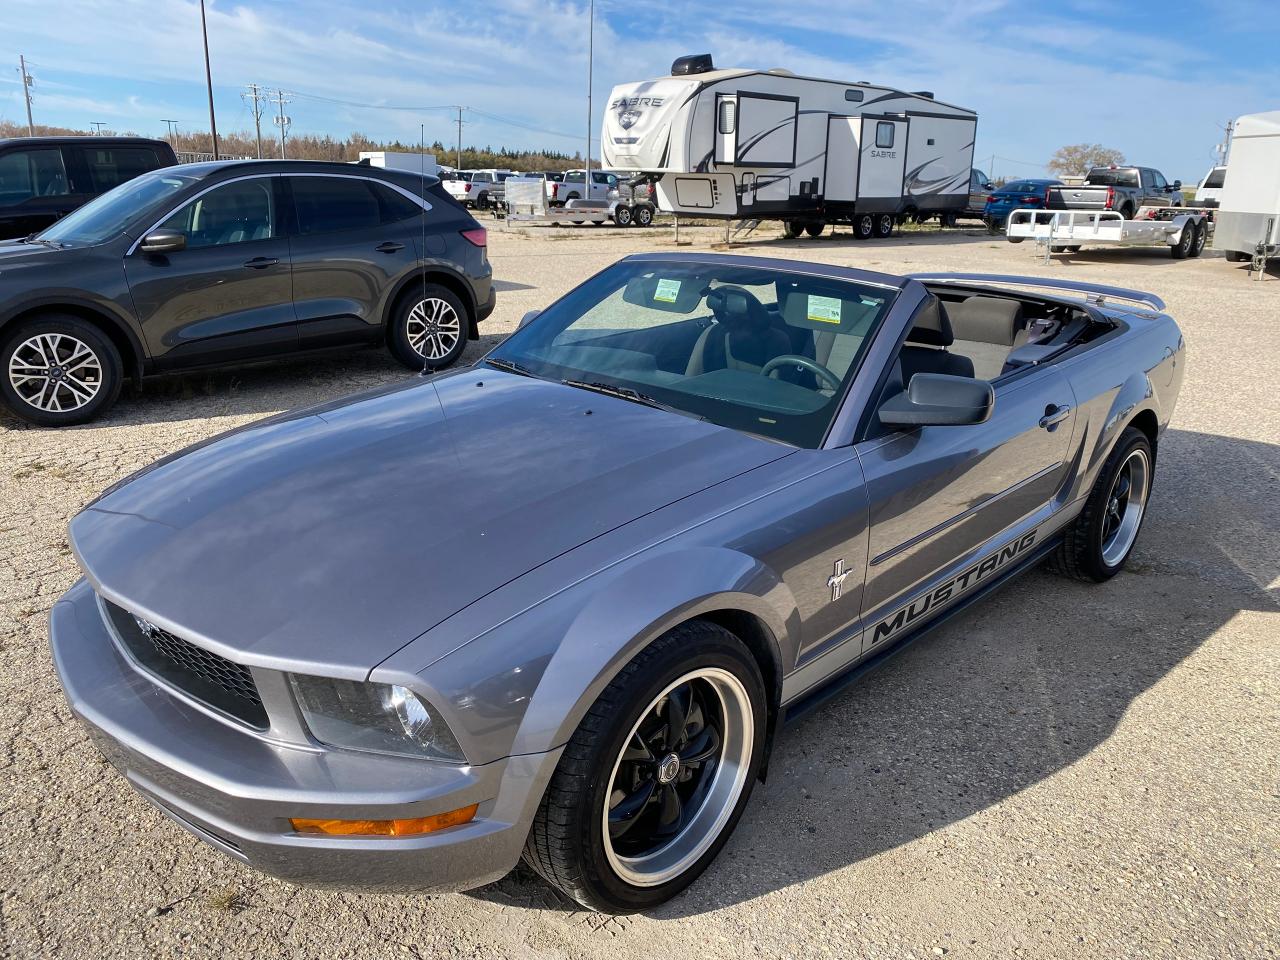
[(115, 165), (330, 204), (31, 173), (232, 213), (395, 206)]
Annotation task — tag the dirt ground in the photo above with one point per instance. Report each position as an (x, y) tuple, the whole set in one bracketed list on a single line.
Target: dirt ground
[(1064, 771)]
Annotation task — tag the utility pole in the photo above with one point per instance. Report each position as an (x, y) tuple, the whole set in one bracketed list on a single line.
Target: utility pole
[(281, 120), (255, 96), (173, 132), (459, 166), (27, 81), (97, 127), (591, 28), (208, 79), (1224, 148)]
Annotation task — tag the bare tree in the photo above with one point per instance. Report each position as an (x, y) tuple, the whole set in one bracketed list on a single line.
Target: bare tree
[(1077, 158)]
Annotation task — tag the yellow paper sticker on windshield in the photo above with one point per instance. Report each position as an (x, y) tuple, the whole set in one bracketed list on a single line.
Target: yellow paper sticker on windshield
[(668, 291), (824, 309)]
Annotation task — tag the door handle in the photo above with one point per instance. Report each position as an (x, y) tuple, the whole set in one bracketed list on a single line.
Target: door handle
[(260, 263), (389, 247), (1054, 415)]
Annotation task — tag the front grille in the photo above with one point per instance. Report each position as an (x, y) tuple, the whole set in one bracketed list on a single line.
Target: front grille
[(200, 673)]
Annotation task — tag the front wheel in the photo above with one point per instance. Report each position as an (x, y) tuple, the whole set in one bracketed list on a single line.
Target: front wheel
[(657, 774), (57, 370), (642, 215), (429, 328), (1186, 243), (864, 226), (1096, 546), (622, 215)]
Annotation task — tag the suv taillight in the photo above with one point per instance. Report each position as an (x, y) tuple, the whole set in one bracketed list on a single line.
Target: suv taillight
[(477, 236), (1046, 194)]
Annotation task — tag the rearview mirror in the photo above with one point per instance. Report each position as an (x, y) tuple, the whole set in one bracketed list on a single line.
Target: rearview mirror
[(163, 241), (939, 400), (528, 318)]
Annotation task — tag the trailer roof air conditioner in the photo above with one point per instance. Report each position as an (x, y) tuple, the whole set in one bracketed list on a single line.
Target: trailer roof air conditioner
[(696, 63)]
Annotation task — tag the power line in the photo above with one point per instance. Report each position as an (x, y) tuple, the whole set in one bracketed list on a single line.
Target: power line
[(281, 120), (173, 131), (255, 96)]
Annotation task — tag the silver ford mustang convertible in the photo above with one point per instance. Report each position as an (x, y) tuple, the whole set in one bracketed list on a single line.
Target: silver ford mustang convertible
[(557, 604)]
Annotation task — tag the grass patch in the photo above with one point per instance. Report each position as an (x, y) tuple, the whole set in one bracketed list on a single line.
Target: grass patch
[(229, 899)]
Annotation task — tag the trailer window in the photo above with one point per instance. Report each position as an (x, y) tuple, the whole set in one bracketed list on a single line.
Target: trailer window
[(728, 116), (884, 134), (1217, 178), (854, 96)]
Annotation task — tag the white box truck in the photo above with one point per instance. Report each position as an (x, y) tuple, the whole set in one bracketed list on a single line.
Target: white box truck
[(414, 162), (767, 144)]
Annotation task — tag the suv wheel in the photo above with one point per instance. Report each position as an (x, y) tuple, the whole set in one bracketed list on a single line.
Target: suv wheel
[(58, 370), (657, 774), (429, 328)]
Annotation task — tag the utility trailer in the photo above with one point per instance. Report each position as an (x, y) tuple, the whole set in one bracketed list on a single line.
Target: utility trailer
[(526, 202), (769, 145), (1249, 207), (1184, 230)]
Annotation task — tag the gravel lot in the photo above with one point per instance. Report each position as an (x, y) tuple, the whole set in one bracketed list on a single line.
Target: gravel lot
[(1064, 771)]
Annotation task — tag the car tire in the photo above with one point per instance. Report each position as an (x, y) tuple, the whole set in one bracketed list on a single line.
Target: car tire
[(791, 229), (815, 228), (1096, 546), (1202, 236), (1186, 243), (81, 383), (864, 226), (705, 672), (642, 215), (1127, 212), (428, 327), (622, 215), (1073, 248)]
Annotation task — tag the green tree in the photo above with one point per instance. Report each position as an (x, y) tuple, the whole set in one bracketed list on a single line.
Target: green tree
[(1077, 158)]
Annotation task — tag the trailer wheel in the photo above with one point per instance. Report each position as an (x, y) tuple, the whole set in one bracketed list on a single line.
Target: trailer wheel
[(792, 229), (622, 215), (642, 215), (1074, 248), (949, 219), (864, 226), (1015, 239), (1202, 235), (815, 229), (1237, 256), (1182, 249), (884, 225)]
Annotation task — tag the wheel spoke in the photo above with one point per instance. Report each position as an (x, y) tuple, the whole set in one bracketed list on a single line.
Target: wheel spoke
[(703, 746), (624, 814), (677, 714), (671, 812), (637, 750)]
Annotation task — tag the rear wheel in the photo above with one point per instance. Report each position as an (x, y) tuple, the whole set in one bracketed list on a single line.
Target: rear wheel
[(58, 370), (815, 229), (429, 328), (1202, 235), (642, 215), (884, 225), (1099, 542), (622, 215), (1186, 242), (792, 228), (864, 226), (657, 774)]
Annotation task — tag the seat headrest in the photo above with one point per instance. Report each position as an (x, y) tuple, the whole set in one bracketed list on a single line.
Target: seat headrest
[(738, 309), (994, 320), (931, 326)]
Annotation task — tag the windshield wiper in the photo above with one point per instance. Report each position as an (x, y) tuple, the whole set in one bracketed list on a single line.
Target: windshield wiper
[(510, 366), (32, 238), (628, 393)]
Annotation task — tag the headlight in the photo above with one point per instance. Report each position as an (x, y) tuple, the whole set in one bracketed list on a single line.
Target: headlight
[(374, 716)]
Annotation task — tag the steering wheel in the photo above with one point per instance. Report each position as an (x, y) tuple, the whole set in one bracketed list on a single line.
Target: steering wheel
[(794, 359)]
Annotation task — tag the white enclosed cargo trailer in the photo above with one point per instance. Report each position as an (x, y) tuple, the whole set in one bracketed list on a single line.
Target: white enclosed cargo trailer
[(766, 144), (1249, 207), (415, 162)]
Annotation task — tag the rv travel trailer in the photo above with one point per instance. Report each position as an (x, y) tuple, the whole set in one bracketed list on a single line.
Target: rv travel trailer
[(1249, 206), (766, 144)]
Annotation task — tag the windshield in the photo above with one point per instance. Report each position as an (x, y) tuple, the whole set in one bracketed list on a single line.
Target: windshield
[(104, 217), (1112, 178), (765, 351)]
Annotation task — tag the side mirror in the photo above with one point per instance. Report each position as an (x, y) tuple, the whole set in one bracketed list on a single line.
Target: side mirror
[(1177, 185), (939, 400), (163, 241), (988, 185), (528, 318)]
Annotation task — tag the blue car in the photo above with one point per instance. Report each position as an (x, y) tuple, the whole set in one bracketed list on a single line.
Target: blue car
[(1012, 196)]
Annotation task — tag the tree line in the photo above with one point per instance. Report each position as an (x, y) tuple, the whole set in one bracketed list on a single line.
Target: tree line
[(309, 146)]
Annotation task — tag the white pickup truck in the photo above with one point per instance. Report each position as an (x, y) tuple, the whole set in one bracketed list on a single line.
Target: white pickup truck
[(481, 189)]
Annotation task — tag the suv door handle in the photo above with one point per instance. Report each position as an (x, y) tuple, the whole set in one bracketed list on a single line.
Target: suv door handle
[(1054, 415), (259, 263), (389, 246)]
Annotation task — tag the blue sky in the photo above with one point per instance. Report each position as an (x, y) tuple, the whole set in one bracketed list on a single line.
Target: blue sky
[(1154, 78)]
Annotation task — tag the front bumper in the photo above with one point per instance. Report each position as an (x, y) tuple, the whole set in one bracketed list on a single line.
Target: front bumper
[(236, 789)]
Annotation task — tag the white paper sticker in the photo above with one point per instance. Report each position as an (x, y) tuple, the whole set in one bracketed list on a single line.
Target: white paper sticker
[(668, 291), (824, 309)]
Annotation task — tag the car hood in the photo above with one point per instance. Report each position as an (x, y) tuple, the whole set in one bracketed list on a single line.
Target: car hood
[(18, 252), (330, 538)]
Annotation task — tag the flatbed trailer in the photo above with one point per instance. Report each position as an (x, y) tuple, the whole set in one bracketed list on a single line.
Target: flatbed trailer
[(525, 201), (1184, 230)]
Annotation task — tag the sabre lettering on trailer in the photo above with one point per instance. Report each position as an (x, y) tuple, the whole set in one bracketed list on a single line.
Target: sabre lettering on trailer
[(938, 596)]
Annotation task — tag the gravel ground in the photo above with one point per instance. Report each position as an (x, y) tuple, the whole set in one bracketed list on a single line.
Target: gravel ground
[(1065, 771)]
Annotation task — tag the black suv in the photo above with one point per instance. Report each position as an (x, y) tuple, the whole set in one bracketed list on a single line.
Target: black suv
[(219, 263), (44, 178)]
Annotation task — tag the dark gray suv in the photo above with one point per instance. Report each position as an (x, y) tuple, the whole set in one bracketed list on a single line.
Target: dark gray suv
[(222, 263)]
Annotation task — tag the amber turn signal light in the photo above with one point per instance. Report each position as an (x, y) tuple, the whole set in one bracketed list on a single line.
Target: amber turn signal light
[(385, 828)]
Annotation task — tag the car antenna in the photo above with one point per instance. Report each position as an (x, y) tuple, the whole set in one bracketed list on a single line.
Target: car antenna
[(422, 189)]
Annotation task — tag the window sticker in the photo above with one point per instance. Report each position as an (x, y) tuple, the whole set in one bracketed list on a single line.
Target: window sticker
[(824, 309), (668, 291)]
